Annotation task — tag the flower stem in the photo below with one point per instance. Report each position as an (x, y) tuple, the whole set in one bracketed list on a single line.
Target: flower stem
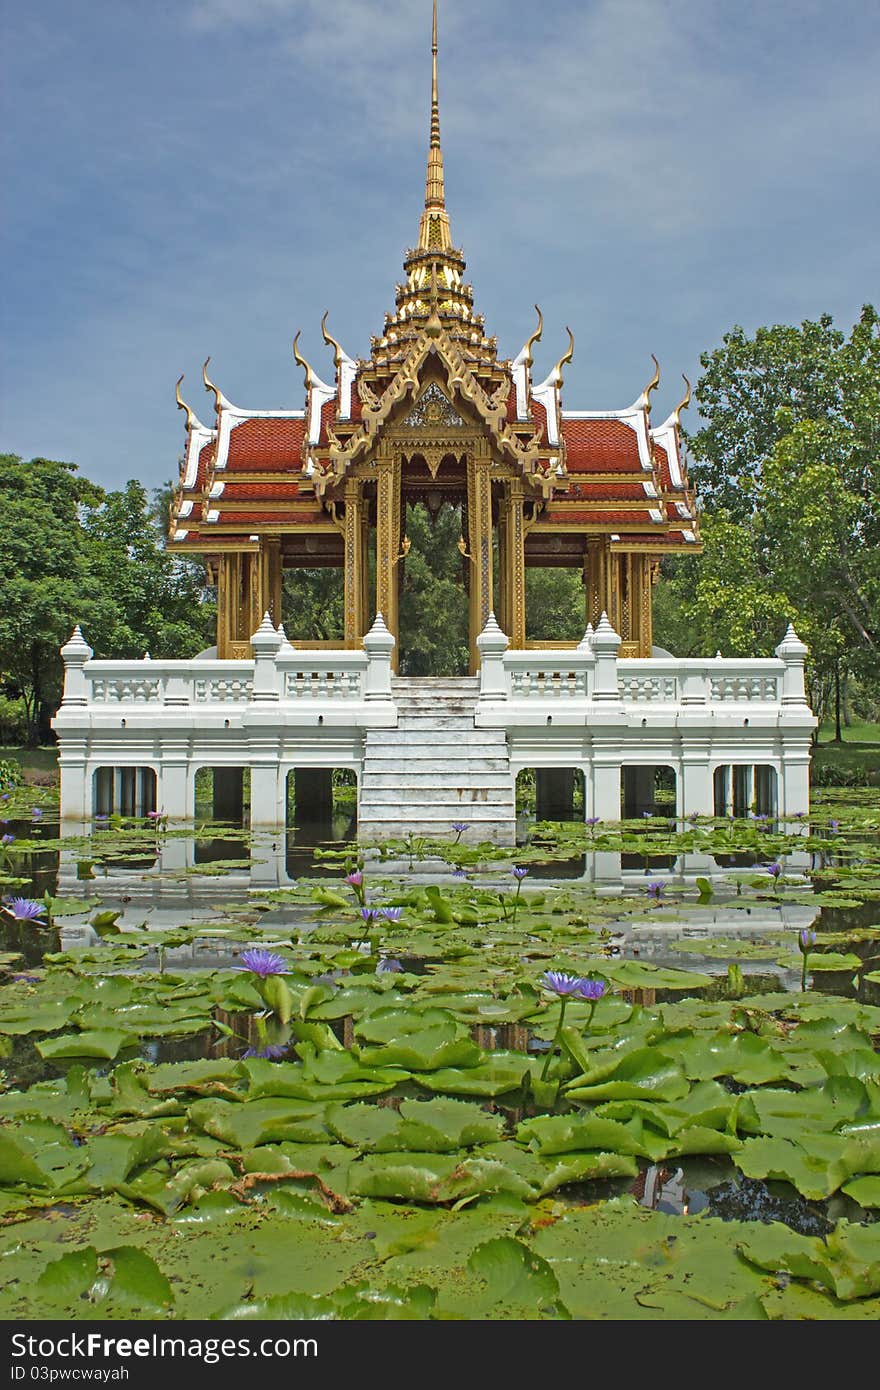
[(547, 1060), (516, 903), (804, 973)]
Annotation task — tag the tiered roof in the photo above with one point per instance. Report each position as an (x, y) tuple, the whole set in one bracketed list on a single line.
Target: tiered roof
[(605, 472)]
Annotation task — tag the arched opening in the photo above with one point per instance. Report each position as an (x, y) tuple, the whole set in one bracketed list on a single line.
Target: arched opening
[(741, 789), (647, 791), (433, 634), (124, 791)]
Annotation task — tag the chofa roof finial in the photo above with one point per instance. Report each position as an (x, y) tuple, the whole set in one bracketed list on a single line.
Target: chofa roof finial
[(340, 354), (209, 385), (535, 338), (682, 405), (182, 405), (301, 361), (645, 398), (566, 357)]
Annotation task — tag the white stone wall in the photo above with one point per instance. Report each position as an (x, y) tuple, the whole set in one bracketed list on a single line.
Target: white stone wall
[(291, 708)]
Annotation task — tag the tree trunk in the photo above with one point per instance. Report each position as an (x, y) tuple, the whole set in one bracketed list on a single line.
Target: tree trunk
[(838, 732), (34, 710)]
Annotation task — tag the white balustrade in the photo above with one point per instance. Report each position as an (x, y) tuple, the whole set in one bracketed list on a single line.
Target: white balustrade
[(548, 675)]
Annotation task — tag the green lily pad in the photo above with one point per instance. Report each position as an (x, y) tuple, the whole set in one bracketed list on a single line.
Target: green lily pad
[(847, 1261), (104, 1043)]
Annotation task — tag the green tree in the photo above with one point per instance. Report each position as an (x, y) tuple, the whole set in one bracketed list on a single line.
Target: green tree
[(148, 599), (722, 600), (75, 554), (433, 599), (46, 583), (555, 605), (787, 463)]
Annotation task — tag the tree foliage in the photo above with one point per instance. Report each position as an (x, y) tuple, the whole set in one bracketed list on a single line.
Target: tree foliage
[(76, 554), (787, 463)]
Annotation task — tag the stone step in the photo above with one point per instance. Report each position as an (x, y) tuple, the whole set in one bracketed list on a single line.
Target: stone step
[(468, 739), (430, 794), (404, 683), (431, 709), (442, 818), (436, 721), (445, 768), (436, 768), (430, 777)]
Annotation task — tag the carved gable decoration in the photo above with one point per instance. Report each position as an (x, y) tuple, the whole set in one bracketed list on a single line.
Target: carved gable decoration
[(433, 411)]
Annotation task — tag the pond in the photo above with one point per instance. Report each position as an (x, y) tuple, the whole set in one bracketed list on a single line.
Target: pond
[(431, 1079)]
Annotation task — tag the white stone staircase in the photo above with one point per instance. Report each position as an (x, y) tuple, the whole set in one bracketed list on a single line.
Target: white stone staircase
[(436, 768)]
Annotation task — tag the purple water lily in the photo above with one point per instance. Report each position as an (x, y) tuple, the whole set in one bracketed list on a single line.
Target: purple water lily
[(272, 1052), (562, 984), (261, 962), (592, 989), (391, 914), (806, 942), (36, 813), (656, 889), (592, 820), (460, 826), (24, 909), (459, 873), (774, 869), (519, 873), (569, 987), (7, 840), (834, 826)]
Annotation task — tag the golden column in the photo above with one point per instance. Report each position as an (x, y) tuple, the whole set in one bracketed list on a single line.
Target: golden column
[(597, 580), (270, 578), (479, 497), (388, 539), (228, 603), (355, 562), (516, 565)]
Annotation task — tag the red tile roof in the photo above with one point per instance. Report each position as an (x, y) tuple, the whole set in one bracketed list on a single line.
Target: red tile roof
[(564, 516), (277, 491), (266, 443), (600, 446), (624, 491)]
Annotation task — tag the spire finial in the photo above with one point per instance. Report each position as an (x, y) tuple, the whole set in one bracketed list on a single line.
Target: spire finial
[(435, 99), (434, 231)]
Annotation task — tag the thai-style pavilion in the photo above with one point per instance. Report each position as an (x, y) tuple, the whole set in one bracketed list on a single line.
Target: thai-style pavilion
[(433, 415), (433, 418)]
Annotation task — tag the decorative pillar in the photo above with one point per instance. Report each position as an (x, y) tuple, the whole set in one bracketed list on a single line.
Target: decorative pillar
[(597, 579), (492, 643), (388, 541), (270, 577), (479, 496), (793, 652), (605, 644), (75, 653), (515, 624), (502, 597), (354, 562), (379, 646), (265, 644)]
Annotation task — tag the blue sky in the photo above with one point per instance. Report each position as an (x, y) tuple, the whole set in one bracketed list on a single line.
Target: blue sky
[(207, 176)]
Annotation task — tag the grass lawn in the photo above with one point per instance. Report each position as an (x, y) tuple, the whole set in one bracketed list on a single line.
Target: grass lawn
[(858, 753), (33, 759)]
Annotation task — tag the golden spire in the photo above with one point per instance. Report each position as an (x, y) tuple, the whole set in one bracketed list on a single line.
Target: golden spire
[(434, 232)]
